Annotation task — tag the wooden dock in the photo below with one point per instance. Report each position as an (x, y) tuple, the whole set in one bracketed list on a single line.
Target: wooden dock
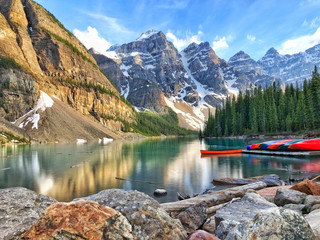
[(283, 153)]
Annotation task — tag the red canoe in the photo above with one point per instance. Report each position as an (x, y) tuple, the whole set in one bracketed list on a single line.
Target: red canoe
[(205, 152), (288, 144), (307, 145)]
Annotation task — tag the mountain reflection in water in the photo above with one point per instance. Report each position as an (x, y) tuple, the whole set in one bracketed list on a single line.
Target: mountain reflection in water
[(69, 171)]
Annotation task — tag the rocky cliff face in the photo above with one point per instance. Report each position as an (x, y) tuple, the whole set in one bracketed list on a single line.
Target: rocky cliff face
[(256, 74), (214, 74), (291, 68), (51, 59), (243, 62), (145, 70)]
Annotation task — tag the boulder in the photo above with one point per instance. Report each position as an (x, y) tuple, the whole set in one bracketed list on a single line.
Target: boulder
[(193, 217), (242, 209), (148, 219), (313, 219), (80, 220), (310, 201), (273, 223), (210, 225), (270, 192), (160, 192), (201, 235), (287, 196), (315, 207), (225, 227), (20, 208), (295, 207), (239, 211)]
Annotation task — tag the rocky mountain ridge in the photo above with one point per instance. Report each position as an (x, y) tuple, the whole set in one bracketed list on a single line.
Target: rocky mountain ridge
[(38, 53), (293, 68), (151, 74)]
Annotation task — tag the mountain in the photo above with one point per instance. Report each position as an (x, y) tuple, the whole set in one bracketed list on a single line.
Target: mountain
[(150, 68), (291, 68), (40, 59), (256, 74), (243, 62), (151, 74)]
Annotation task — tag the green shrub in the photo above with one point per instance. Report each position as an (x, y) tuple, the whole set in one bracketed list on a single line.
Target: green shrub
[(10, 136), (152, 124), (8, 63)]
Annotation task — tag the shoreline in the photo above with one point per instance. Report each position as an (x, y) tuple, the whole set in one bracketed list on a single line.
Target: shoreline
[(212, 214)]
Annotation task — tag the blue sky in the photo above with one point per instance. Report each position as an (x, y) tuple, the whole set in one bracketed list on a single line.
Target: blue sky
[(229, 26)]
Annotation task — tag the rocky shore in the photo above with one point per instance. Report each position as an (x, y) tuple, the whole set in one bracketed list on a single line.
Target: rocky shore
[(241, 212)]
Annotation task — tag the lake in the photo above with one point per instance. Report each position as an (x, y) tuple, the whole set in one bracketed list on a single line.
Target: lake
[(70, 171)]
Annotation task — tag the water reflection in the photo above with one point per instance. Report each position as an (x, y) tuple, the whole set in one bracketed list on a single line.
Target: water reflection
[(69, 171)]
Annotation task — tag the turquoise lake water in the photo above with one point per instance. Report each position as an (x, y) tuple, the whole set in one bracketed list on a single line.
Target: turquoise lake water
[(70, 171)]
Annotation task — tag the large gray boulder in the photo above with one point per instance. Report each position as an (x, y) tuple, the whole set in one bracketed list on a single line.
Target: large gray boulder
[(311, 201), (239, 211), (20, 208), (287, 196), (313, 219), (295, 207), (273, 223), (147, 218)]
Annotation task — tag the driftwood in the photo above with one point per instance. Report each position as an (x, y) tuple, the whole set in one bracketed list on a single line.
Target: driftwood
[(139, 181), (270, 180), (211, 199), (212, 210), (4, 169)]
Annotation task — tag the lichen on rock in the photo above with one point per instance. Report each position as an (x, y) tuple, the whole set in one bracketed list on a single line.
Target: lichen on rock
[(80, 220), (148, 219)]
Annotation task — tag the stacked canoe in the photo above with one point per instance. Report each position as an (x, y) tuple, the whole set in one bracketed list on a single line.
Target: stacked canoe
[(288, 145)]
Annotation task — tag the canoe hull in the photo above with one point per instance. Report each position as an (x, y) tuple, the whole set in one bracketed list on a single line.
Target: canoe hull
[(288, 145), (307, 145), (207, 152)]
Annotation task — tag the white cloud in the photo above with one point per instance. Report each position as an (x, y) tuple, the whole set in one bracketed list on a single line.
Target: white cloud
[(181, 43), (251, 37), (300, 44), (220, 43), (90, 39)]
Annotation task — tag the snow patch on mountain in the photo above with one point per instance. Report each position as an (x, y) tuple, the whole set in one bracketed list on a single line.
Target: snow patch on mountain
[(43, 102), (193, 121), (199, 87), (112, 55), (147, 35)]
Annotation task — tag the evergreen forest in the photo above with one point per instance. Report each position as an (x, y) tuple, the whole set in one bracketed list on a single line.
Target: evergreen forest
[(269, 111)]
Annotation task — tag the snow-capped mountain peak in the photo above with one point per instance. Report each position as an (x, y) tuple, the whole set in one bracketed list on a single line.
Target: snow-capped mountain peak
[(147, 34)]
